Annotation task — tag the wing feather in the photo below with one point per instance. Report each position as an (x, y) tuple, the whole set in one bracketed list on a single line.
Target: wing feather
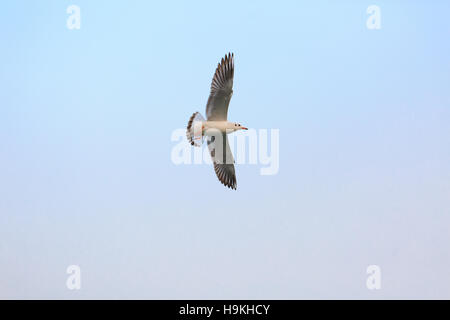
[(222, 159), (221, 90)]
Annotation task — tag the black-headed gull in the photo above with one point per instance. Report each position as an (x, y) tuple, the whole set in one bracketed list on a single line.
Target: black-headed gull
[(216, 127)]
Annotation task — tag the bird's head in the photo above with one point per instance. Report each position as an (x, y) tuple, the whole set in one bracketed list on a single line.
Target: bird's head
[(238, 126)]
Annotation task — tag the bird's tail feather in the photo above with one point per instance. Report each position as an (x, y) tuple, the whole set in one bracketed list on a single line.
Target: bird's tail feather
[(194, 129)]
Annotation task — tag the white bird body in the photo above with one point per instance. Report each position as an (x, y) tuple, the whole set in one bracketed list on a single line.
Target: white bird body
[(210, 127)]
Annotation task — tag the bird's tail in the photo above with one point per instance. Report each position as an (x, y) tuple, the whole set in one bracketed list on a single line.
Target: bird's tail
[(194, 129)]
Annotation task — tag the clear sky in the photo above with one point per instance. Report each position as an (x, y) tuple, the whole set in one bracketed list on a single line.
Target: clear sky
[(86, 176)]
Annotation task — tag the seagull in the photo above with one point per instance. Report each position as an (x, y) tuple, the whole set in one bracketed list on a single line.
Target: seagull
[(216, 127)]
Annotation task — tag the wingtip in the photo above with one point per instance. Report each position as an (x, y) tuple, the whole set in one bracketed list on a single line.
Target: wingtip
[(228, 56), (230, 186)]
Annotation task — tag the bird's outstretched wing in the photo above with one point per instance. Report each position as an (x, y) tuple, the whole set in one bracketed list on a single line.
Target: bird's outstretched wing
[(221, 90), (222, 158)]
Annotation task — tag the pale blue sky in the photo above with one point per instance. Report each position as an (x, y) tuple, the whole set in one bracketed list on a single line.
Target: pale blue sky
[(86, 176)]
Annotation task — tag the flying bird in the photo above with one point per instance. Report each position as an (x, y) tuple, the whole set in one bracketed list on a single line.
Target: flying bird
[(216, 127)]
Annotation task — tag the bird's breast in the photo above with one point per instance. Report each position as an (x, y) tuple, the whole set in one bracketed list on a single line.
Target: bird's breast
[(212, 127)]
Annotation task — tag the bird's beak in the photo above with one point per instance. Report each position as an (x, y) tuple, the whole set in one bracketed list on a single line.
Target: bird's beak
[(244, 128)]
